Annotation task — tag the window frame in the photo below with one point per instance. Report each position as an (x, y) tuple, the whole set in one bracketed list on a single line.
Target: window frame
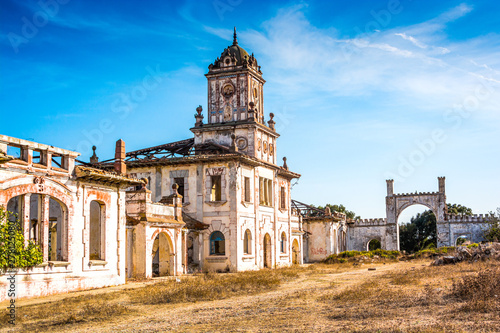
[(283, 203), (216, 188), (283, 242), (247, 189), (102, 230), (221, 243), (247, 242), (181, 189), (266, 192)]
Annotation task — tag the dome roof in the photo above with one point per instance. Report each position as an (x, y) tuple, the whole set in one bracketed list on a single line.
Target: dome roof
[(234, 56), (237, 51)]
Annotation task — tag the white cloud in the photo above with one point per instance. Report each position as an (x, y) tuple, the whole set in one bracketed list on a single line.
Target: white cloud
[(429, 72), (412, 39)]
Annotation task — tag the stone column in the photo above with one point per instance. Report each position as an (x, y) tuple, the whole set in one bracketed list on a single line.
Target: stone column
[(44, 225), (25, 216)]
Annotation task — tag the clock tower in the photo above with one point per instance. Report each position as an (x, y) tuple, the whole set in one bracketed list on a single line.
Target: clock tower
[(236, 106)]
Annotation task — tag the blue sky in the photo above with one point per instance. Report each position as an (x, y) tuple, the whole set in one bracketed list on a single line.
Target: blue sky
[(363, 91)]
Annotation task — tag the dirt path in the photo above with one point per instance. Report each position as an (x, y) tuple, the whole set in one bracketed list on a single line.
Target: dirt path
[(292, 307)]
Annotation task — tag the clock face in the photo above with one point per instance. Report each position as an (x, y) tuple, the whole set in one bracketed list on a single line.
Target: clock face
[(227, 90)]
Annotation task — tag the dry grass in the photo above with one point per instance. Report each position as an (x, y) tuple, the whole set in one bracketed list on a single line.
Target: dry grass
[(397, 297), (481, 292), (68, 312), (441, 293), (213, 286)]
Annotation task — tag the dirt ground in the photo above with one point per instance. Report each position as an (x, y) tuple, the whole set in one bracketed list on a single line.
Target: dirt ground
[(390, 297)]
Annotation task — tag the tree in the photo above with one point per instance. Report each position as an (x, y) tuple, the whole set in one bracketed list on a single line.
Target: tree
[(492, 232), (458, 209), (341, 209), (421, 231), (13, 252)]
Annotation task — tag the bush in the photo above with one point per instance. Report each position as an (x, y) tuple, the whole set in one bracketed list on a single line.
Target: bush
[(432, 251), (485, 285), (346, 255), (13, 252), (480, 292)]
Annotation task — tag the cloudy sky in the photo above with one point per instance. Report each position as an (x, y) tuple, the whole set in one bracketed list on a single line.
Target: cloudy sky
[(363, 91)]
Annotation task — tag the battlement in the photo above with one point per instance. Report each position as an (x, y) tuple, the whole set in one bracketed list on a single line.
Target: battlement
[(369, 222), (468, 218), (416, 193)]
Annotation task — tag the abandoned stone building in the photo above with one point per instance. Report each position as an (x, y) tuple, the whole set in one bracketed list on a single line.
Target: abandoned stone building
[(327, 233), (75, 213), (217, 201), (228, 175), (449, 227)]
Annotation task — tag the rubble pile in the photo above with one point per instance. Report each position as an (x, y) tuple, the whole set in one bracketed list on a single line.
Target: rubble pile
[(471, 254)]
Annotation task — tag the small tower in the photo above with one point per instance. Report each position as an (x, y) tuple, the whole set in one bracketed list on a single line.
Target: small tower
[(234, 80), (390, 187), (235, 115), (441, 184)]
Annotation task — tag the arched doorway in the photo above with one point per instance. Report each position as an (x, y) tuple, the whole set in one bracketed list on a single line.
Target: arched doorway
[(163, 261), (373, 245), (397, 203), (267, 251), (342, 240), (417, 228), (463, 240), (295, 252)]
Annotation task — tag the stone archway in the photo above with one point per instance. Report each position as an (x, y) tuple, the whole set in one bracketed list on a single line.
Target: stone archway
[(396, 203), (163, 261), (267, 252), (295, 252), (373, 244)]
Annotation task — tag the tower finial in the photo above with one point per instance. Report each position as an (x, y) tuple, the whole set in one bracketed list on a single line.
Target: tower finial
[(235, 40)]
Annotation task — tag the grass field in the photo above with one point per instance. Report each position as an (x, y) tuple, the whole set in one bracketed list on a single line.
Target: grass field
[(340, 297)]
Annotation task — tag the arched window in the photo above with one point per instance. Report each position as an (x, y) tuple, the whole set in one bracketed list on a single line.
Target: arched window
[(217, 243), (97, 228), (247, 242), (283, 242), (57, 231)]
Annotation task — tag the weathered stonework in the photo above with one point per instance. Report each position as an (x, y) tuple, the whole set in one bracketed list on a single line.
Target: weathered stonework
[(53, 198), (449, 227)]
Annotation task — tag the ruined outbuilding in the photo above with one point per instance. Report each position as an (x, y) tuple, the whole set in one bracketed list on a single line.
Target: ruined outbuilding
[(75, 213), (386, 231)]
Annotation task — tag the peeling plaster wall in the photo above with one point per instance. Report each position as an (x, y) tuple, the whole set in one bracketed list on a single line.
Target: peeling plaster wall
[(77, 272), (322, 240), (232, 216)]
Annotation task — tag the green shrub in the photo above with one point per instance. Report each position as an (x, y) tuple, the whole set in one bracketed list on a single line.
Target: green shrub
[(13, 252), (431, 251), (346, 255)]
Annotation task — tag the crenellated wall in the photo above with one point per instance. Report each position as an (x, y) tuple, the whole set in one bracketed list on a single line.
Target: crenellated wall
[(386, 230)]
